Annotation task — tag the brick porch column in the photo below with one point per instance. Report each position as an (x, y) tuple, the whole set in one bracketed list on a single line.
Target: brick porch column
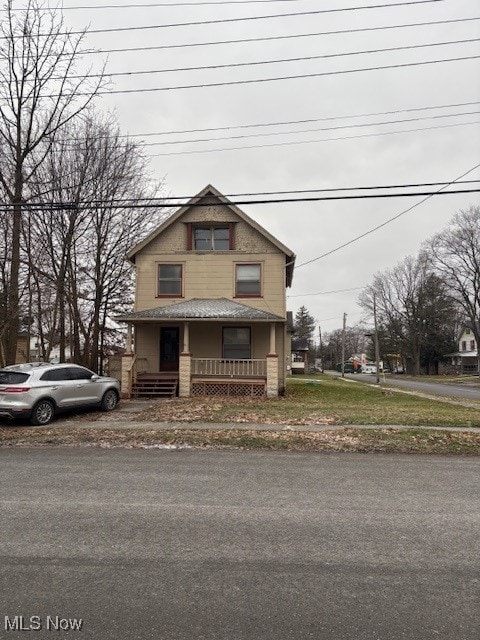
[(126, 375), (272, 375), (185, 367)]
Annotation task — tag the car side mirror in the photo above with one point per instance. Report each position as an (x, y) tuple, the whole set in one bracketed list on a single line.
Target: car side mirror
[(94, 378)]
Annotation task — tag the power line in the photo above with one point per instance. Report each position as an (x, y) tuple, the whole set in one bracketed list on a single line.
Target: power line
[(278, 78), (390, 220), (316, 141), (235, 196), (275, 61), (75, 142), (288, 122), (270, 38), (164, 4), (60, 206), (324, 293), (244, 19), (315, 129)]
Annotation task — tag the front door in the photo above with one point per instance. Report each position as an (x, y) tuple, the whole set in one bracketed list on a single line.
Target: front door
[(169, 348)]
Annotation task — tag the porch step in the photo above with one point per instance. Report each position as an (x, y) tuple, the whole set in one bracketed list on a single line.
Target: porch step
[(152, 386)]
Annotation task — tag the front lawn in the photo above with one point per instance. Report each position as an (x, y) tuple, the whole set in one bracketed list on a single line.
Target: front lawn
[(324, 401)]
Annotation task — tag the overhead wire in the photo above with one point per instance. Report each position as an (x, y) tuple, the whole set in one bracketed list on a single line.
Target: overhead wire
[(284, 37), (289, 122), (324, 293), (242, 19), (75, 143), (440, 191), (315, 141), (253, 63), (274, 78), (312, 130), (235, 196), (165, 4), (60, 206), (96, 51)]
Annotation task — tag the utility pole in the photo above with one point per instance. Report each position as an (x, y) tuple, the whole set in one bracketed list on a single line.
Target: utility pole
[(343, 343), (320, 348), (377, 348)]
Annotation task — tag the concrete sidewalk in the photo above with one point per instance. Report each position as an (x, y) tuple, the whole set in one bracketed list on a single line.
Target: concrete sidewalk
[(133, 424)]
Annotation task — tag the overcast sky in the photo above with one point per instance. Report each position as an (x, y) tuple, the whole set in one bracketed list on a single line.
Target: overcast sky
[(427, 148)]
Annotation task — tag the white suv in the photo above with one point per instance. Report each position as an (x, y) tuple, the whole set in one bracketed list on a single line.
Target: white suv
[(39, 390)]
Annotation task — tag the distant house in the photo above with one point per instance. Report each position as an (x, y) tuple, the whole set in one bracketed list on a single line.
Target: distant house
[(465, 360), (210, 306), (300, 350)]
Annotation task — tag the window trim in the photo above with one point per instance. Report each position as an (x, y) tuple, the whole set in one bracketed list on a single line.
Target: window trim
[(210, 226), (249, 340), (170, 295), (260, 280)]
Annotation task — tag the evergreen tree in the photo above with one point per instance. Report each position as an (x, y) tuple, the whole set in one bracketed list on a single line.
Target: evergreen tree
[(304, 325)]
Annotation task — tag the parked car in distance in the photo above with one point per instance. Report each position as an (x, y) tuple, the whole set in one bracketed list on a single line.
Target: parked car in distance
[(38, 391), (369, 367), (349, 367)]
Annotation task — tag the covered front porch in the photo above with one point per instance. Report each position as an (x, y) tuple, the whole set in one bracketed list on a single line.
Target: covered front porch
[(221, 348)]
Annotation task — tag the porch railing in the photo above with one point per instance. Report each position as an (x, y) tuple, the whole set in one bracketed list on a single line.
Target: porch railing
[(229, 368)]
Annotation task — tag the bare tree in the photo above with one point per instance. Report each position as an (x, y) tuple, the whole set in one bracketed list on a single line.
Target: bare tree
[(83, 278), (456, 258), (356, 341), (39, 95), (413, 309)]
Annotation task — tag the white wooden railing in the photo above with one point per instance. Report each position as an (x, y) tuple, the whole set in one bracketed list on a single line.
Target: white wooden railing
[(229, 368)]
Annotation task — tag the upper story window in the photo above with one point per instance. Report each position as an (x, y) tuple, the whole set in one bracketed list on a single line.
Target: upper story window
[(248, 280), (211, 238), (464, 345), (170, 280), (472, 345), (467, 331)]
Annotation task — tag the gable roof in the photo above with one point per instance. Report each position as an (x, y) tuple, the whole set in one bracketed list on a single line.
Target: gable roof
[(210, 190), (201, 309)]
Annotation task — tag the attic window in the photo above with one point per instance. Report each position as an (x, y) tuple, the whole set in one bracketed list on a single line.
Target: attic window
[(212, 238)]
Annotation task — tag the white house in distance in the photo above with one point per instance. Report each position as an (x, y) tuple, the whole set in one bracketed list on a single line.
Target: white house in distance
[(465, 360)]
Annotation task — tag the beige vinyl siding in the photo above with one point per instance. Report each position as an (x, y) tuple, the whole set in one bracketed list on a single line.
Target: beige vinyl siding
[(206, 341), (147, 345), (212, 275)]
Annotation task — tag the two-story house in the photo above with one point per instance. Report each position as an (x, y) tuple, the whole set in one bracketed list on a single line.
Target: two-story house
[(210, 305), (465, 360)]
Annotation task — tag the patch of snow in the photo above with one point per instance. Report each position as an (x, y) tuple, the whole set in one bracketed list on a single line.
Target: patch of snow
[(168, 447)]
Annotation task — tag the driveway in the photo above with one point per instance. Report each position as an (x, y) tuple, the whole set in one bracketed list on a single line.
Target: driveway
[(198, 545)]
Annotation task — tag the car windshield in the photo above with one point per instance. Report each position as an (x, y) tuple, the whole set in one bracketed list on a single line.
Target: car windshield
[(12, 377)]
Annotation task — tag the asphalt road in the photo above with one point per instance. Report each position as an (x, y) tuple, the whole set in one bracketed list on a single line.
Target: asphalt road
[(460, 391), (207, 545)]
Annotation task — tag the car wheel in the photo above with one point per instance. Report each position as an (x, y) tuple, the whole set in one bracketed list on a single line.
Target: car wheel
[(43, 413), (109, 400)]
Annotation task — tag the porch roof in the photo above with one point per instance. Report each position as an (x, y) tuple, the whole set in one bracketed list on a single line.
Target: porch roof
[(463, 354), (202, 309)]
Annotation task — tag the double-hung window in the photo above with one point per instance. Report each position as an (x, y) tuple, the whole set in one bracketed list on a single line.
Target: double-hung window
[(170, 280), (211, 238), (248, 280), (236, 343)]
